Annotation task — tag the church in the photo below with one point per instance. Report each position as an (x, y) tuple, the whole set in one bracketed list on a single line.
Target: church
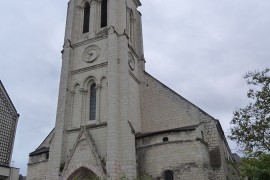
[(114, 120)]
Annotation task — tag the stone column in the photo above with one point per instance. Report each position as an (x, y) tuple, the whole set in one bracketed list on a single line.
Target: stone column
[(57, 149), (98, 88), (93, 18), (83, 107), (112, 163), (128, 30), (79, 22), (98, 16), (70, 18), (127, 139), (72, 94), (132, 31)]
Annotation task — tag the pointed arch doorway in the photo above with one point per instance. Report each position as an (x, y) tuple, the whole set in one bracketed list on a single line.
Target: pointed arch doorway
[(83, 174)]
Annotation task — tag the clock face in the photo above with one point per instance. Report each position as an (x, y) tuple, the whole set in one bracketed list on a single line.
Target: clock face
[(131, 61), (91, 53)]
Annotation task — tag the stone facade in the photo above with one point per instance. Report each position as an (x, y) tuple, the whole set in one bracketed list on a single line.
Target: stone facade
[(113, 118), (8, 124)]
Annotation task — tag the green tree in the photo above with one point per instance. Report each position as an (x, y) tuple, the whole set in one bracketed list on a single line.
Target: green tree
[(256, 167), (251, 125)]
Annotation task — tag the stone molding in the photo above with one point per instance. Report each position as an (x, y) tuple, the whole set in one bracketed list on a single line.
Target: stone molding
[(91, 53), (88, 41), (165, 143), (134, 77), (90, 68), (91, 167), (99, 169)]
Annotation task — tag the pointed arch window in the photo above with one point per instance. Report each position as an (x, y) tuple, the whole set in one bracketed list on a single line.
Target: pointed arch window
[(93, 102), (86, 18), (103, 13)]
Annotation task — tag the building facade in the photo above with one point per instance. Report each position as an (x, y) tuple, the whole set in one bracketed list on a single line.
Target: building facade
[(113, 118), (8, 123)]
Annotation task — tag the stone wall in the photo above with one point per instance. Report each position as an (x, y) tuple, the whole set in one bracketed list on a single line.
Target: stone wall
[(37, 170), (182, 154), (162, 108)]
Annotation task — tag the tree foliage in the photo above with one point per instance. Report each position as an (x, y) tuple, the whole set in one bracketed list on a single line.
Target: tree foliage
[(251, 125), (256, 167)]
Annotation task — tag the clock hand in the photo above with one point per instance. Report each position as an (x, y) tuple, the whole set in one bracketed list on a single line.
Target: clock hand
[(90, 54)]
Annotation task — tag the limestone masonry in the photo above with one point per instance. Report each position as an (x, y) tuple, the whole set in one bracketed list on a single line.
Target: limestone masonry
[(113, 118)]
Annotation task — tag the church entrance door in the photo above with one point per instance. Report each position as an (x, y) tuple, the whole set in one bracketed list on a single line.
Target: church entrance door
[(83, 174)]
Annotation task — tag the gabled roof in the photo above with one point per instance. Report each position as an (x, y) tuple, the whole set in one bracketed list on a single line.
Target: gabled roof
[(218, 125), (45, 145), (175, 93), (40, 151), (7, 97)]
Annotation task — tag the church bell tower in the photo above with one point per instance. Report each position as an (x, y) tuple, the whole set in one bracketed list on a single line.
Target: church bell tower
[(113, 118), (99, 104)]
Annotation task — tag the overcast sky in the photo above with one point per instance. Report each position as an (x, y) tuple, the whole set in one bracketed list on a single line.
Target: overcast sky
[(199, 48)]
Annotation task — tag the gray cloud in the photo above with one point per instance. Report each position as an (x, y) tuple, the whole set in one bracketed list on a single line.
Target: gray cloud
[(31, 40), (202, 49), (199, 48)]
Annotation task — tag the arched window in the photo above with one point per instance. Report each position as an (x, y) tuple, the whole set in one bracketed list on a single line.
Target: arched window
[(103, 13), (168, 175), (86, 18), (93, 97)]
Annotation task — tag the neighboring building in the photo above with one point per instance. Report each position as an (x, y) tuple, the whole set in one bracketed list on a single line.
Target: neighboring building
[(113, 118), (21, 177), (8, 123)]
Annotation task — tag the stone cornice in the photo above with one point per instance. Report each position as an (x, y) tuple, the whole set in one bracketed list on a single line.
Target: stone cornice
[(43, 161), (186, 128), (137, 2), (165, 143), (78, 71), (91, 126), (88, 41)]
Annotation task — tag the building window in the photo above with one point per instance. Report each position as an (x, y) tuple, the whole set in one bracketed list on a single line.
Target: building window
[(168, 175), (86, 18), (202, 135), (93, 97), (103, 13), (165, 139), (47, 155)]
